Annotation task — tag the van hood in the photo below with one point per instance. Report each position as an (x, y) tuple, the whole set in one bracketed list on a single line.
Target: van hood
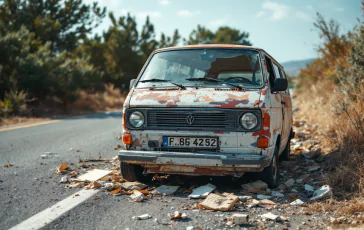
[(202, 97)]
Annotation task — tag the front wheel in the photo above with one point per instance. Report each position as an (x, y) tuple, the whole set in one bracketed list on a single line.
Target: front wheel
[(132, 172), (270, 174)]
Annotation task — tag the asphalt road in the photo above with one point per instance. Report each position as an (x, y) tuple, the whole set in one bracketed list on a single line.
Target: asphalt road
[(31, 185)]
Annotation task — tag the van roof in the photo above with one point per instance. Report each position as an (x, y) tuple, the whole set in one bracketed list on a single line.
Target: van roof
[(211, 46)]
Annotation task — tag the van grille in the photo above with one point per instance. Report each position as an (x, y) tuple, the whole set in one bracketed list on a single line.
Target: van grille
[(202, 119)]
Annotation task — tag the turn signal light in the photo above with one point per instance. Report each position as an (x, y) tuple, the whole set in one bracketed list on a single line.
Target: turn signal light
[(127, 139), (263, 142)]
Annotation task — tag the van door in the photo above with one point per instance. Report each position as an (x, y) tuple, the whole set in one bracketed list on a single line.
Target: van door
[(283, 102), (275, 100), (287, 108)]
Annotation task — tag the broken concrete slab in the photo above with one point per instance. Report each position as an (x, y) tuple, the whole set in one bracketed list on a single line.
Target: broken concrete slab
[(267, 202), (165, 190), (137, 196), (239, 218), (220, 202), (202, 191), (269, 216), (77, 185), (322, 193), (133, 185), (93, 175), (255, 186)]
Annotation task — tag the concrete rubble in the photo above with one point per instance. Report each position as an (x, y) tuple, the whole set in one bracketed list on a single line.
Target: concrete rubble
[(301, 185)]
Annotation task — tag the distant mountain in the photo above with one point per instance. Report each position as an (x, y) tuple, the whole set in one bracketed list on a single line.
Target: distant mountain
[(292, 68)]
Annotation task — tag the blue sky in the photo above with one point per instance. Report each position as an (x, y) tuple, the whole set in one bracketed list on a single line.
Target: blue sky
[(283, 28)]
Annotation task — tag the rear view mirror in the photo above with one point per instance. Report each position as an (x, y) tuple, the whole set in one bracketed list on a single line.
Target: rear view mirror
[(132, 81), (280, 84)]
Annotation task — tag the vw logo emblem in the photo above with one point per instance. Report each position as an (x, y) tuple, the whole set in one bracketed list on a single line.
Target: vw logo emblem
[(190, 119)]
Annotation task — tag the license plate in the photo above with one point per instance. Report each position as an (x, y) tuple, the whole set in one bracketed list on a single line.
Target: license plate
[(190, 142)]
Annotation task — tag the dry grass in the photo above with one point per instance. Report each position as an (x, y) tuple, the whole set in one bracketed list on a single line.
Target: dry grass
[(110, 99), (19, 120)]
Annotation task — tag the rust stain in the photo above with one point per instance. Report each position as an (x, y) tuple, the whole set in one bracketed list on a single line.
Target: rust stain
[(136, 143), (265, 130)]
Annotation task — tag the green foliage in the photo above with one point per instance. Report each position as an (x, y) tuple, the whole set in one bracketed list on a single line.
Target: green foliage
[(223, 35), (46, 49)]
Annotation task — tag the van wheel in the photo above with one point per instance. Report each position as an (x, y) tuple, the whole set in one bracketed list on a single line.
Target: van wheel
[(286, 152), (132, 172), (270, 174)]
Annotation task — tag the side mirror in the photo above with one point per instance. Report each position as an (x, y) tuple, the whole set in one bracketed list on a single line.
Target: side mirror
[(280, 84), (132, 81)]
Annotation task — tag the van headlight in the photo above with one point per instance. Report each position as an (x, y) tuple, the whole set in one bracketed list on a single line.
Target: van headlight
[(136, 119), (249, 121)]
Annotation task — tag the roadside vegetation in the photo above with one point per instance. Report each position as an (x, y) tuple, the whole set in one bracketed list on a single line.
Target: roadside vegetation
[(52, 61), (330, 94)]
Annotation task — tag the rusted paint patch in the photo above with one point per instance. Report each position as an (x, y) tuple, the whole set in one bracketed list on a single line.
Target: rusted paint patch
[(265, 130)]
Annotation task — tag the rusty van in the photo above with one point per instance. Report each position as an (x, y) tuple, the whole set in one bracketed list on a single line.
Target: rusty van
[(218, 110)]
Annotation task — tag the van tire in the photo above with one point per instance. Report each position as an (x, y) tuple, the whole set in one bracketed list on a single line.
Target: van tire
[(132, 172), (286, 152), (270, 174)]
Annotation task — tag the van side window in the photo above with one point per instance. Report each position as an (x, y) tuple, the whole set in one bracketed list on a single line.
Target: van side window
[(270, 71), (277, 71)]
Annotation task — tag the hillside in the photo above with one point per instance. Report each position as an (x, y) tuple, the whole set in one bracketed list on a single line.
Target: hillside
[(292, 68)]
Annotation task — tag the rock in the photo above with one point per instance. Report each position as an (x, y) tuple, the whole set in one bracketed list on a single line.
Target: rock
[(142, 217), (322, 193), (270, 216), (220, 202), (245, 198), (277, 194), (202, 191), (64, 179), (239, 218), (289, 183), (267, 202), (313, 168), (287, 164), (262, 197), (93, 185), (311, 154), (130, 185), (309, 188), (299, 180), (77, 185), (254, 187), (178, 216), (282, 187), (297, 202)]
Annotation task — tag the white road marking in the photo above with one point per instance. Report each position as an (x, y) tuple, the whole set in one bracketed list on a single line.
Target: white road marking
[(50, 214)]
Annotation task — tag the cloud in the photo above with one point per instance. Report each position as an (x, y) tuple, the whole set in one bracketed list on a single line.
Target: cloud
[(279, 11), (218, 22), (303, 16), (164, 2), (340, 9), (260, 14), (309, 7), (151, 14), (187, 13)]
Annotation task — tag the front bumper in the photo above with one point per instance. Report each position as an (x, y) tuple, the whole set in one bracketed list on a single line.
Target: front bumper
[(179, 162)]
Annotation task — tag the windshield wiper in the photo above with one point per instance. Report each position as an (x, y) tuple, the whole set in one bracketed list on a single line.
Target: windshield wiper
[(162, 80), (214, 80)]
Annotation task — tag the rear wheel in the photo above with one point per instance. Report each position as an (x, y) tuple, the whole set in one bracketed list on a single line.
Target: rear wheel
[(270, 174), (286, 152), (132, 172)]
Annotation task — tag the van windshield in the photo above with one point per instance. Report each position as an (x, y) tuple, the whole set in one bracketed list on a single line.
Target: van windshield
[(190, 67)]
